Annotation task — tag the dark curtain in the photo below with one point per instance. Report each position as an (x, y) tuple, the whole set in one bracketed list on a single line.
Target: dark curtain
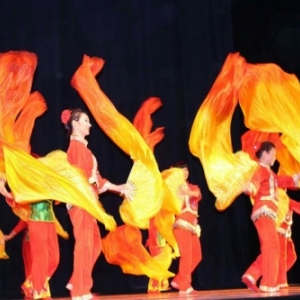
[(172, 49)]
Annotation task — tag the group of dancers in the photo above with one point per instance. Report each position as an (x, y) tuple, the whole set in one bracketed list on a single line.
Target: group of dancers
[(40, 242)]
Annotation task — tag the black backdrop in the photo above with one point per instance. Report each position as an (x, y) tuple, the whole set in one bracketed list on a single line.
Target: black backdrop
[(172, 49)]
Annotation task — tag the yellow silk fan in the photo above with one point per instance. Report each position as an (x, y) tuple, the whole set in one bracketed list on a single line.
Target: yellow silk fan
[(174, 179), (142, 191)]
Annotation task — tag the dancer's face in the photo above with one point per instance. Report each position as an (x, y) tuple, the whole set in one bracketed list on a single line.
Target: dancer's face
[(186, 173), (270, 157), (83, 125)]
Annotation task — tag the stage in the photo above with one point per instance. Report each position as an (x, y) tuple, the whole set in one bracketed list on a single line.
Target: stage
[(292, 292)]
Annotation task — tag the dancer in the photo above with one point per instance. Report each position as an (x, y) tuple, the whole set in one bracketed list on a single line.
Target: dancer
[(26, 253), (43, 245), (287, 255), (187, 233), (86, 232), (263, 189)]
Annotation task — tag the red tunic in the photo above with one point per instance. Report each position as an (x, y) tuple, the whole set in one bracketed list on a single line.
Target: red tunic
[(83, 158), (263, 191)]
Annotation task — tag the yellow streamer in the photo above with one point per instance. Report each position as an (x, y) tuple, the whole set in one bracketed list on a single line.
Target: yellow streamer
[(226, 173)]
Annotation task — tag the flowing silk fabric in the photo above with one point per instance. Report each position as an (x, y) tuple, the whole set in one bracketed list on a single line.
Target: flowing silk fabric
[(117, 246), (269, 99), (143, 122), (289, 165), (18, 107), (210, 140), (164, 221), (34, 107), (172, 178), (123, 134), (124, 247), (50, 177), (252, 139)]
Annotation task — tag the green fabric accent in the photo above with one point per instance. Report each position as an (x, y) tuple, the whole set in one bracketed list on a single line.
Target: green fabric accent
[(160, 240), (42, 211)]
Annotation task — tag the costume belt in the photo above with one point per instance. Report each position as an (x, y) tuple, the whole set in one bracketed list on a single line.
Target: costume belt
[(190, 210), (195, 229), (264, 211), (268, 198)]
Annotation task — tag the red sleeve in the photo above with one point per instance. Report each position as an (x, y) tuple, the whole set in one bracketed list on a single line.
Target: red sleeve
[(11, 202), (20, 226), (285, 182), (101, 180), (295, 206)]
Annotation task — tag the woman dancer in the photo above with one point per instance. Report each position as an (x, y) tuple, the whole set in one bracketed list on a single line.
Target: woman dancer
[(263, 189), (86, 232)]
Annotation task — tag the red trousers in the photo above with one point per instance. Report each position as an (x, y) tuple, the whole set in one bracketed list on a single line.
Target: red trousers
[(287, 258), (45, 256), (26, 254), (291, 255), (267, 263), (86, 251), (190, 256)]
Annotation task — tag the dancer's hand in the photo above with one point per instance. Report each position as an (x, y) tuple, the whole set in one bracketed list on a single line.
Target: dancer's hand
[(7, 237), (183, 191), (128, 191), (3, 191), (247, 188)]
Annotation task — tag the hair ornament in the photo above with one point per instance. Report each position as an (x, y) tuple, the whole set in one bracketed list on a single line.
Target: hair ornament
[(257, 146), (65, 116)]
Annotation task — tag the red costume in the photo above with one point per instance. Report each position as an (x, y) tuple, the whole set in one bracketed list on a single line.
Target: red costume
[(287, 250), (263, 190), (44, 249), (187, 233), (86, 232), (26, 253)]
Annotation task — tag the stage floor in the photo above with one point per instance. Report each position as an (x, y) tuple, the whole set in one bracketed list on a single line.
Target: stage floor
[(292, 292)]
